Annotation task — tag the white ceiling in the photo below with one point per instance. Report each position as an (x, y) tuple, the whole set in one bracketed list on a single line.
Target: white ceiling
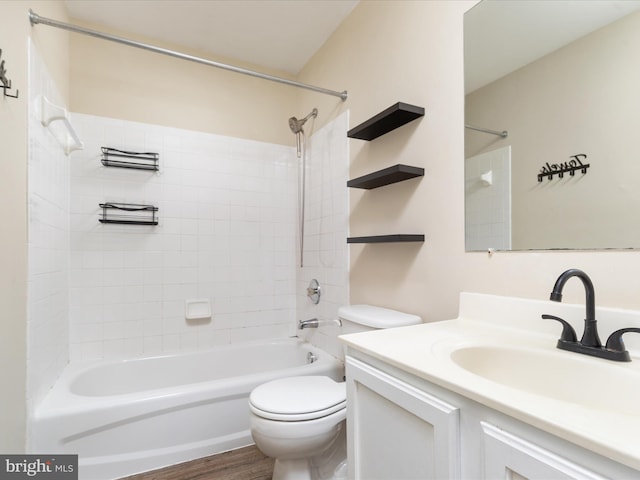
[(501, 36), (275, 34)]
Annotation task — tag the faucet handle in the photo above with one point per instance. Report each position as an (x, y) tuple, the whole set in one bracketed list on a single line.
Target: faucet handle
[(568, 333), (614, 342)]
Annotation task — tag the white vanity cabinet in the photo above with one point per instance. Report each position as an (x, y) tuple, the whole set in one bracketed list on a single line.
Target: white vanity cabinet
[(400, 426), (511, 457), (397, 431)]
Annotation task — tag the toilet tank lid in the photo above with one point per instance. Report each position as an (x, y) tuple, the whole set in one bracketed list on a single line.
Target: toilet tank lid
[(377, 317)]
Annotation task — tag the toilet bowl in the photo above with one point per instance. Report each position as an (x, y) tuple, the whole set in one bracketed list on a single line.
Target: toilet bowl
[(300, 421)]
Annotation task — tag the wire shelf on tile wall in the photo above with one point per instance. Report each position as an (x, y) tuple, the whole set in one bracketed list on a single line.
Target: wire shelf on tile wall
[(112, 157), (128, 214)]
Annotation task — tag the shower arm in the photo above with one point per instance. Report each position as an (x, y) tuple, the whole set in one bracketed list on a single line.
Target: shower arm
[(296, 125), (314, 114), (35, 19)]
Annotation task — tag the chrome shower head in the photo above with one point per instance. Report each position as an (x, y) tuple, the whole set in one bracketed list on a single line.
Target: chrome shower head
[(296, 125)]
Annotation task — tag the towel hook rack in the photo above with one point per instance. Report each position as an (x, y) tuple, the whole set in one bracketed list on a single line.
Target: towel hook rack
[(6, 83)]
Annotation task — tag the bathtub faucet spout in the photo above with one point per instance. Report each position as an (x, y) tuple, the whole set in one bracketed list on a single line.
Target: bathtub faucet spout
[(315, 323), (311, 323)]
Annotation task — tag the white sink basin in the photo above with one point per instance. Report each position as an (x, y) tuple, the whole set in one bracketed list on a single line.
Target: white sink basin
[(500, 354), (564, 376)]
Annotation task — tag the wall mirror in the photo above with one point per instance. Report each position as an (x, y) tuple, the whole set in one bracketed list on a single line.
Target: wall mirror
[(562, 80)]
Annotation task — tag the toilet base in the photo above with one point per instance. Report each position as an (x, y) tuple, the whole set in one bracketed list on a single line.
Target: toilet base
[(297, 469), (330, 465)]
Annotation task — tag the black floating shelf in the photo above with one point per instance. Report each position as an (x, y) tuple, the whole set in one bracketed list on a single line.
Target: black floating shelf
[(387, 176), (128, 214), (112, 157), (393, 117), (387, 238)]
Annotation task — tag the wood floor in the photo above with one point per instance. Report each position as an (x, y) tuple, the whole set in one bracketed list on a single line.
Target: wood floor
[(246, 463)]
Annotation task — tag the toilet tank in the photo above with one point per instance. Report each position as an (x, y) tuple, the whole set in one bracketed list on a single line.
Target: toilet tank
[(361, 318)]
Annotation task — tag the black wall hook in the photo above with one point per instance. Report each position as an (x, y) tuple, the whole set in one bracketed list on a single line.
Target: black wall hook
[(570, 167), (4, 81)]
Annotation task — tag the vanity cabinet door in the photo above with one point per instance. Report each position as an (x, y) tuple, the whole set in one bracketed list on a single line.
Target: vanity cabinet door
[(397, 431), (507, 456)]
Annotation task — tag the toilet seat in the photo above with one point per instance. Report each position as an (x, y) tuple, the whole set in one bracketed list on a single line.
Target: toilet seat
[(298, 398)]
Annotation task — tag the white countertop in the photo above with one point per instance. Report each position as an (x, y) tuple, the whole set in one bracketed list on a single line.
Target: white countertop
[(424, 351)]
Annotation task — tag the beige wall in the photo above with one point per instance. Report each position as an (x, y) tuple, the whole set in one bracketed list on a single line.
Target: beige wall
[(383, 53), (412, 51), (580, 99), (118, 81), (14, 36)]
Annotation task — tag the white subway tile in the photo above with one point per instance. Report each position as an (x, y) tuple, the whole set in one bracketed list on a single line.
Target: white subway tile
[(228, 223), (152, 345)]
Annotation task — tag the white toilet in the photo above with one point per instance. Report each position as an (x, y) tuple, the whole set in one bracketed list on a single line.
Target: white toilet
[(300, 421)]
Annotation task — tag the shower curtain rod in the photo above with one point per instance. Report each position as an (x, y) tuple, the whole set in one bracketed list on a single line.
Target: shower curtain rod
[(503, 133), (34, 18)]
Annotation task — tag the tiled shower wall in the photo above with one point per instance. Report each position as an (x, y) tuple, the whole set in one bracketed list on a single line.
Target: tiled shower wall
[(326, 229), (488, 204), (48, 248), (227, 233)]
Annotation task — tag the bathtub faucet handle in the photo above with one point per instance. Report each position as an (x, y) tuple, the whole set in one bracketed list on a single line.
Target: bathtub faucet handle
[(314, 292)]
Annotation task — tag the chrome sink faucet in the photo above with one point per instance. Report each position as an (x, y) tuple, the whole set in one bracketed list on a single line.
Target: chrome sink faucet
[(590, 343)]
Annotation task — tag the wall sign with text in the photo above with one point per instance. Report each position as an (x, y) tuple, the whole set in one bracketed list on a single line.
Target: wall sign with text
[(576, 162)]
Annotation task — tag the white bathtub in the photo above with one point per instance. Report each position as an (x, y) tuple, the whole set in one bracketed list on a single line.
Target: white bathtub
[(129, 416)]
